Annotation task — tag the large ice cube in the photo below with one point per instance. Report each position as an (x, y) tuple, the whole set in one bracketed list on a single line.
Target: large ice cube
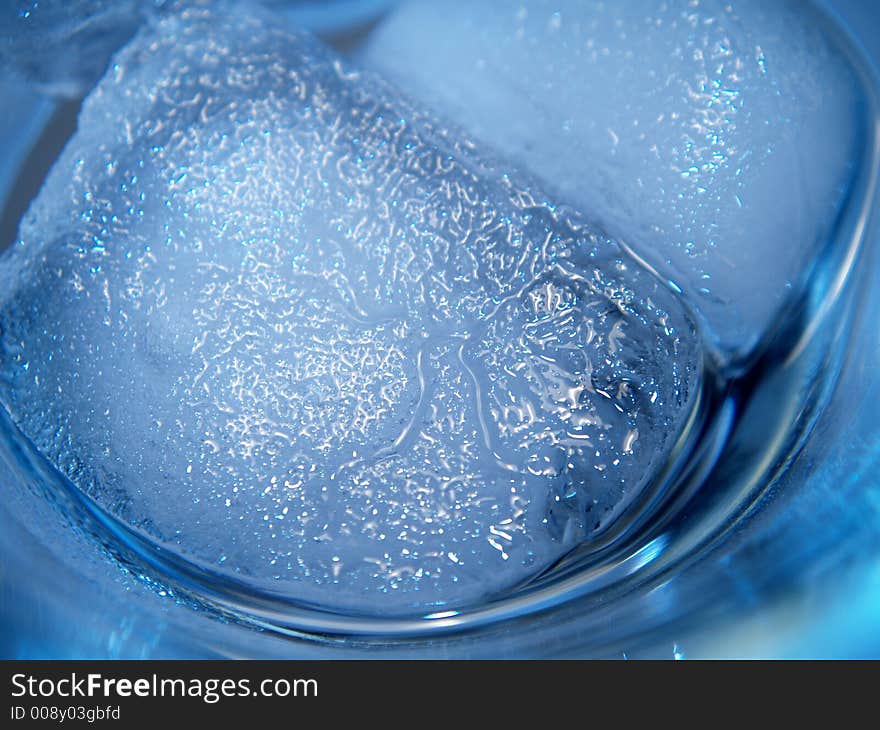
[(270, 313), (716, 138)]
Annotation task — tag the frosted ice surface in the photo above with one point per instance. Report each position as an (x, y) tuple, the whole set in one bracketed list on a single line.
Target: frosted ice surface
[(714, 137), (267, 311)]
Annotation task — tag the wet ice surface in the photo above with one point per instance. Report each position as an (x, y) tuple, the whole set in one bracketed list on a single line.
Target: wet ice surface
[(713, 137), (267, 311)]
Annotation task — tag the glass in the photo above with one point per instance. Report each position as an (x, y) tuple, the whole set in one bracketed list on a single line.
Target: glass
[(761, 527)]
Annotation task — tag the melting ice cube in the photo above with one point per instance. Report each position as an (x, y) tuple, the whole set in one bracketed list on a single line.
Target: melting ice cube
[(270, 313), (716, 138)]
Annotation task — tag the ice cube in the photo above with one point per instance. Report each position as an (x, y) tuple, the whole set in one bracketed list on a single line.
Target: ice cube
[(716, 138), (270, 313)]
